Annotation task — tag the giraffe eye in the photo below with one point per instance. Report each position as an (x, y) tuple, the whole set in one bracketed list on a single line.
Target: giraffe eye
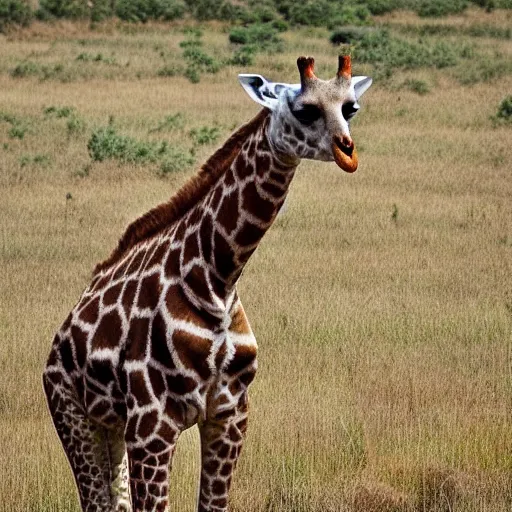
[(349, 110), (307, 114)]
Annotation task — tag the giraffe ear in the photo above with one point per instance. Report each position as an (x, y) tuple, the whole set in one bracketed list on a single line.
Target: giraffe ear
[(262, 91), (361, 84)]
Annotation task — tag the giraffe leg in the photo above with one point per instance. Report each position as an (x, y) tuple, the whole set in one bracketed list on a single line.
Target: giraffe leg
[(84, 442), (150, 448), (119, 474), (221, 442)]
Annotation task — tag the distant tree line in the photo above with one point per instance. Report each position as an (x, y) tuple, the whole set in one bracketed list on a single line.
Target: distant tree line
[(321, 13)]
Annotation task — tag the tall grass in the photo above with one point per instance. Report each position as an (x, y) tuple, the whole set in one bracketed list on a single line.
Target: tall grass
[(381, 301)]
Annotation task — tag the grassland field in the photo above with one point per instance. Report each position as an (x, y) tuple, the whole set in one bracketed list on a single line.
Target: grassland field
[(381, 301)]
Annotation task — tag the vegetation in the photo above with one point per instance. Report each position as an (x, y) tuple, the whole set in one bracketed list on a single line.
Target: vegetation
[(381, 301), (319, 13), (105, 143), (504, 113), (16, 12)]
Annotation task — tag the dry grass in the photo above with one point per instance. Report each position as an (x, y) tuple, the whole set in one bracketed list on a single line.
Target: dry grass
[(382, 301)]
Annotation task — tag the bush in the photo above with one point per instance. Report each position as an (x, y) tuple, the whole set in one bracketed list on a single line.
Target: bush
[(438, 8), (418, 86), (205, 135), (198, 61), (323, 13), (175, 160), (505, 110), (25, 68), (484, 70), (142, 10), (378, 7), (243, 56), (14, 11), (169, 70), (348, 35), (106, 143), (75, 125), (313, 13), (58, 112), (63, 9), (262, 36), (379, 47), (169, 123)]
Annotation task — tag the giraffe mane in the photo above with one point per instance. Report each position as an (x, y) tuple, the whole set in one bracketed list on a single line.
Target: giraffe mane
[(193, 190)]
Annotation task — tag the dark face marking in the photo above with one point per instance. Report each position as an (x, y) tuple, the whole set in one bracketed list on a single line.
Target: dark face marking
[(348, 110), (305, 113)]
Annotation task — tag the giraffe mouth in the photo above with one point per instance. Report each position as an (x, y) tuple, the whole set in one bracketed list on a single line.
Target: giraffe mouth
[(345, 158), (345, 154)]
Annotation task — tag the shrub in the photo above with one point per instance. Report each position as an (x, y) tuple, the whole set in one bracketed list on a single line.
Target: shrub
[(38, 159), (106, 143), (169, 70), (25, 68), (17, 131), (505, 109), (377, 7), (169, 123), (175, 160), (348, 35), (198, 61), (243, 56), (75, 125), (59, 112), (261, 36), (482, 30), (205, 135), (323, 13), (418, 86), (142, 10), (504, 114), (14, 11), (193, 74), (438, 8), (379, 47), (99, 57), (484, 70), (63, 9), (311, 13)]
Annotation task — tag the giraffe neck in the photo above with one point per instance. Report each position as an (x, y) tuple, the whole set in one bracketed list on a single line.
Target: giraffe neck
[(224, 230)]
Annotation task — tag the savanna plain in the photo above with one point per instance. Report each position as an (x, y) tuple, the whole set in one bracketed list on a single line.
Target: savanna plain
[(381, 301)]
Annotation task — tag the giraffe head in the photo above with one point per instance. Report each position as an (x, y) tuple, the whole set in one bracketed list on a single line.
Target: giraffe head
[(311, 119)]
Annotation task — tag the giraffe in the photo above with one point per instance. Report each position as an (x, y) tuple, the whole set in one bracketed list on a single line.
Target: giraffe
[(160, 341)]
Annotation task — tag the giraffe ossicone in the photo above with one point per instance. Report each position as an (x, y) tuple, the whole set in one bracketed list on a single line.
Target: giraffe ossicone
[(159, 340)]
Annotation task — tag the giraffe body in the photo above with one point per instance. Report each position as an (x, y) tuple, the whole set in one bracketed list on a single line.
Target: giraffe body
[(160, 341)]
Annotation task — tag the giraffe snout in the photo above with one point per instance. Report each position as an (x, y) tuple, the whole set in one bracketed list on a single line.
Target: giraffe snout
[(345, 144)]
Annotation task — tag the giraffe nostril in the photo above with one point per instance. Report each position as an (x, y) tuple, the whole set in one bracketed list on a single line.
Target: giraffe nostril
[(345, 144)]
